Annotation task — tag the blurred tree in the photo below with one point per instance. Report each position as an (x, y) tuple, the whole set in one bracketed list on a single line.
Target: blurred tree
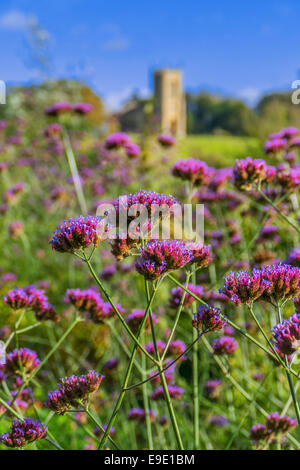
[(214, 114), (275, 111)]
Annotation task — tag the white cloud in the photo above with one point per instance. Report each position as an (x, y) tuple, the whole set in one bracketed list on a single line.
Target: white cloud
[(15, 20), (116, 44), (250, 94)]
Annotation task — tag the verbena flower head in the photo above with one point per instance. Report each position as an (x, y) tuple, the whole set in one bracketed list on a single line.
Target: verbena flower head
[(287, 335), (224, 345), (243, 287), (17, 298), (139, 414), (75, 234), (208, 319), (259, 432), (296, 301), (295, 142), (162, 256), (195, 171), (35, 299), (90, 302), (40, 304), (289, 132), (174, 391), (82, 108), (201, 254), (218, 420), (280, 424), (212, 387), (19, 360), (288, 179), (135, 318), (23, 433), (177, 294), (274, 146), (176, 348), (132, 150), (293, 257), (117, 140), (73, 390), (58, 108), (283, 282), (166, 140), (53, 130), (160, 347), (248, 171), (145, 198)]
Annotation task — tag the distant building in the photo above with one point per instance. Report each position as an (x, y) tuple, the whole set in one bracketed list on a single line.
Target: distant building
[(166, 110), (169, 101)]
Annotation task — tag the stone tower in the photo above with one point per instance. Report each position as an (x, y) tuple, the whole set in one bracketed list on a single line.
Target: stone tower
[(170, 103)]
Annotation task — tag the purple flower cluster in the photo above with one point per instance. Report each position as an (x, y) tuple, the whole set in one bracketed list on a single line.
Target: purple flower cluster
[(177, 294), (174, 391), (21, 361), (287, 335), (248, 171), (166, 140), (224, 345), (195, 171), (293, 257), (243, 287), (144, 198), (139, 414), (160, 347), (23, 432), (64, 107), (201, 254), (288, 179), (135, 318), (208, 319), (283, 282), (53, 130), (296, 301), (276, 426), (117, 140), (82, 108), (35, 299), (72, 391), (162, 256), (90, 302), (278, 282), (274, 146), (212, 388), (75, 234)]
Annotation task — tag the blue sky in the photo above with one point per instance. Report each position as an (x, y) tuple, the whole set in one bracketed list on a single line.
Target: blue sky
[(242, 48)]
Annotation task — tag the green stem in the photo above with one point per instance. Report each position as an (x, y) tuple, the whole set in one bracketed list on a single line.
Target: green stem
[(237, 328), (242, 391), (170, 364), (176, 320), (146, 405), (290, 380), (96, 422), (51, 352), (164, 382), (127, 375), (265, 336), (74, 171), (284, 217), (170, 408), (136, 341)]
